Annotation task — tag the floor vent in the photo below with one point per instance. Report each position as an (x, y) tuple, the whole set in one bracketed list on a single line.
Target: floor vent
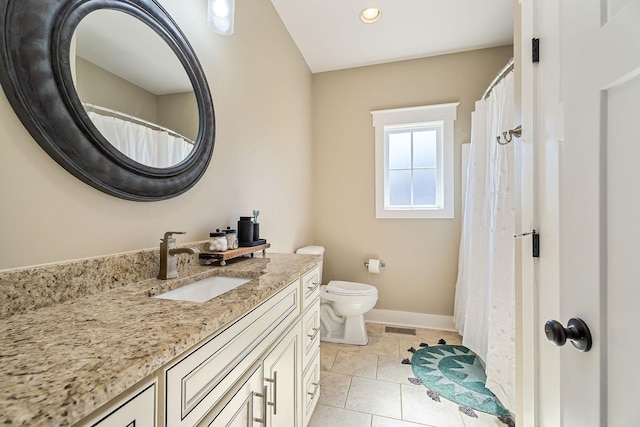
[(403, 331)]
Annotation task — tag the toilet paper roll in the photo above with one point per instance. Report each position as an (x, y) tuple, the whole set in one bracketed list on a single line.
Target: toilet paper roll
[(374, 266)]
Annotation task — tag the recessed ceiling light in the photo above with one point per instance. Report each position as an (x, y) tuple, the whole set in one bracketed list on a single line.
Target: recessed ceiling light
[(370, 15)]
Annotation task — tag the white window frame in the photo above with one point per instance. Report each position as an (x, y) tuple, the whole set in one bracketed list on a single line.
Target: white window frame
[(389, 120)]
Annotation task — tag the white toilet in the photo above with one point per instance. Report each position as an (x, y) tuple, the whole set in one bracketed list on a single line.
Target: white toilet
[(342, 307)]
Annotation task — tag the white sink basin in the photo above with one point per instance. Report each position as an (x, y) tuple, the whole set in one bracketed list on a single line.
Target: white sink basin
[(205, 289)]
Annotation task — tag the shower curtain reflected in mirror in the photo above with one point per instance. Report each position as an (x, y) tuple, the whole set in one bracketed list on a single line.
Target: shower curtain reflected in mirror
[(485, 290), (150, 147)]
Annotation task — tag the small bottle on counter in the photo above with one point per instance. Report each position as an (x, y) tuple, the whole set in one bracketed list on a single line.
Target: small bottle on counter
[(232, 238), (218, 241)]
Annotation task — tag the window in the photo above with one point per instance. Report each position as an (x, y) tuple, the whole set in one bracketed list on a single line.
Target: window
[(414, 161)]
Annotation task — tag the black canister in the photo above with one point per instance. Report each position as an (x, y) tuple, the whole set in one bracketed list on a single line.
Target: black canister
[(245, 229), (256, 231)]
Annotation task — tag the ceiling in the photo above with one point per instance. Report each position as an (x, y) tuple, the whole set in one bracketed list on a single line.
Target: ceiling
[(330, 35)]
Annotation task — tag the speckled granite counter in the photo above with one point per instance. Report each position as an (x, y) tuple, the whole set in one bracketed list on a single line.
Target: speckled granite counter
[(61, 362)]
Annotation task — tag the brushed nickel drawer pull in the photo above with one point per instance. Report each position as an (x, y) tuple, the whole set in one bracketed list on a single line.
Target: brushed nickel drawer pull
[(275, 392), (315, 333), (263, 395), (315, 390), (313, 286)]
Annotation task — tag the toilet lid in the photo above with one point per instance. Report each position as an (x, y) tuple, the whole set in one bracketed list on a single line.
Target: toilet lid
[(350, 288)]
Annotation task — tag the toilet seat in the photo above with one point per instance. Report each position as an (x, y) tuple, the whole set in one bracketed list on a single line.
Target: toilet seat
[(339, 287)]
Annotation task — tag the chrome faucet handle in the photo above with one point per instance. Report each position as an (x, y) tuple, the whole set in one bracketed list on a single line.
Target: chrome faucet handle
[(169, 234)]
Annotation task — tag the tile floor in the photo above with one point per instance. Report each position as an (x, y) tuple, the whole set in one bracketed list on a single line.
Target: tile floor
[(367, 386)]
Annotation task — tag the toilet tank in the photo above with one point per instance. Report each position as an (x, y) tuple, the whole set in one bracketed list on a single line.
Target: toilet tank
[(313, 250)]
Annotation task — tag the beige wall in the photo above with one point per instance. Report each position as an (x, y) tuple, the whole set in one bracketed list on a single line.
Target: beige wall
[(97, 86), (262, 91), (421, 256), (179, 112)]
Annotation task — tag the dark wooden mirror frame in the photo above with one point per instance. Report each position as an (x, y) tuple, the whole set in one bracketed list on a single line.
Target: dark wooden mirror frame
[(35, 43)]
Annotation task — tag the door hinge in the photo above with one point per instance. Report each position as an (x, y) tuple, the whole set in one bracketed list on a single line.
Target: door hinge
[(535, 245), (535, 242), (535, 50)]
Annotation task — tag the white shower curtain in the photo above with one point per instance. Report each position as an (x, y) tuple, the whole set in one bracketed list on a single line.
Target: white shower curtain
[(144, 145), (484, 310)]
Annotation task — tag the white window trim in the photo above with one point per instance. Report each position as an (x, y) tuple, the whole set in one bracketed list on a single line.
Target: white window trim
[(445, 113)]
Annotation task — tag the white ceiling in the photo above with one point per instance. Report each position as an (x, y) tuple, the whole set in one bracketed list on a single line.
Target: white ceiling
[(330, 35)]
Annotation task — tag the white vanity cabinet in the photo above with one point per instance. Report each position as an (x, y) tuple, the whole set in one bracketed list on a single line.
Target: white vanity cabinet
[(310, 388), (244, 406), (137, 409), (310, 286), (199, 380), (261, 369), (282, 371), (310, 392), (253, 372)]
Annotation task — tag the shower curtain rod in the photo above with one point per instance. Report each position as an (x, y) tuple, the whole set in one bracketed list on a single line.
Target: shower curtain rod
[(501, 75), (133, 119)]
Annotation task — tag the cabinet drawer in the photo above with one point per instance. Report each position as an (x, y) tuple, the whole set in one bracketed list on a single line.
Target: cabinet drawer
[(138, 409), (310, 286), (197, 382), (310, 332), (311, 388)]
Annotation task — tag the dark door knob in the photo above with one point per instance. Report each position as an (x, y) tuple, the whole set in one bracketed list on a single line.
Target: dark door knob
[(577, 331)]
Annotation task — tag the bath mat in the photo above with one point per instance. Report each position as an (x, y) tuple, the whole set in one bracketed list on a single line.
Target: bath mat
[(455, 373)]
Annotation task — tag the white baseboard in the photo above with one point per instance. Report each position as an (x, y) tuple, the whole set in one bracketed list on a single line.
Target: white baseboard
[(415, 320)]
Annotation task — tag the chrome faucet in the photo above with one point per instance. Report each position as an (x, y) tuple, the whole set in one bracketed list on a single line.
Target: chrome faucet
[(168, 252)]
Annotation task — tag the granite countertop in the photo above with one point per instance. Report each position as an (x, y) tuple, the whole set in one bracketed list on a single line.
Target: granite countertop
[(59, 363)]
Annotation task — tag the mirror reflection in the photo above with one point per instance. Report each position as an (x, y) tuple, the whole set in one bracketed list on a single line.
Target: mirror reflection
[(134, 88)]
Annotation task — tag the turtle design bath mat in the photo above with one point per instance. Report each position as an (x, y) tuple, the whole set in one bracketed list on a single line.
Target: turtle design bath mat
[(455, 373)]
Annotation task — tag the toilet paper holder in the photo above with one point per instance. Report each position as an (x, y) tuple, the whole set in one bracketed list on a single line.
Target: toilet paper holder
[(366, 264)]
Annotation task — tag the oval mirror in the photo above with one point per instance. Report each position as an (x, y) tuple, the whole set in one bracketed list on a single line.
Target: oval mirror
[(44, 62), (138, 95)]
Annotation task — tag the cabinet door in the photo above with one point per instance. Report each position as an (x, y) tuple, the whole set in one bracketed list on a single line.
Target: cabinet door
[(282, 376), (245, 406)]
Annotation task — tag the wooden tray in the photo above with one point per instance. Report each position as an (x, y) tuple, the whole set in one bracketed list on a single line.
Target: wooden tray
[(234, 253)]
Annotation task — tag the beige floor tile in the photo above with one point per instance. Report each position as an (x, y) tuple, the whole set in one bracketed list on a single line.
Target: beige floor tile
[(374, 329), (382, 345), (334, 389), (452, 338), (392, 370), (328, 416), (390, 422), (339, 347), (374, 397), (368, 386), (417, 407), (356, 364), (327, 357), (430, 336)]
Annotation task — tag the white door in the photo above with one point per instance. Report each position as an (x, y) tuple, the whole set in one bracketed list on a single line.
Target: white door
[(594, 179)]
